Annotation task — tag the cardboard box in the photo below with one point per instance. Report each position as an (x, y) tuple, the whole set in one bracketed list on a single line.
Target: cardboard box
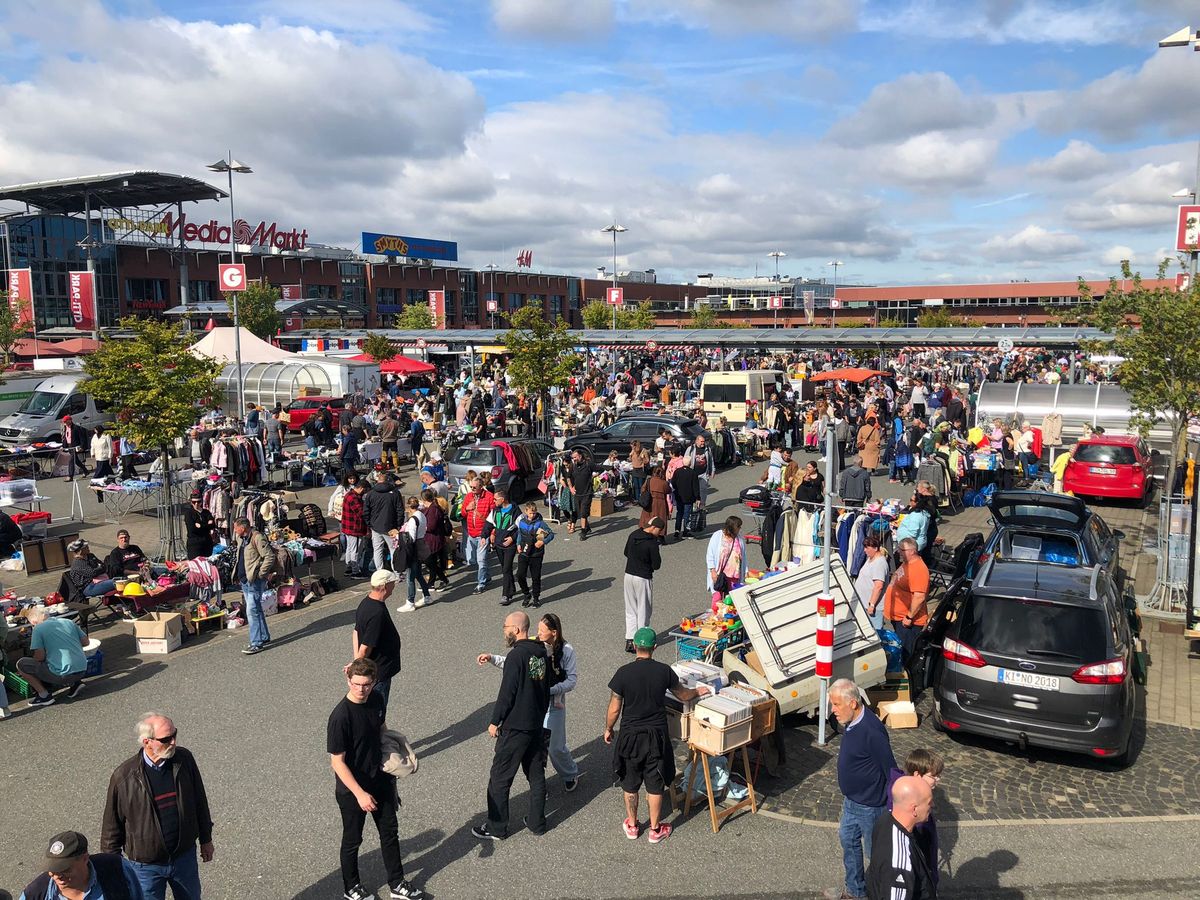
[(161, 632), (601, 507), (898, 714), (753, 662), (895, 688)]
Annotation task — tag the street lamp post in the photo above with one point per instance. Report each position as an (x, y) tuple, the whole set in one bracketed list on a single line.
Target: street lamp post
[(229, 165), (492, 267), (1186, 37), (778, 255), (615, 229), (833, 300)]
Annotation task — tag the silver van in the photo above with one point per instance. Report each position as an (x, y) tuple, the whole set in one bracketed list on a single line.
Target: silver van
[(39, 417)]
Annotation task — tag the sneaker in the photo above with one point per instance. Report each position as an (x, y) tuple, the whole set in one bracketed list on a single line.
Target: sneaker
[(525, 822), (425, 600), (358, 892), (535, 602), (478, 590), (525, 600), (438, 588), (569, 786), (632, 829), (405, 891), (582, 535), (252, 649), (407, 607), (629, 647), (5, 712), (484, 833), (505, 601), (74, 689), (676, 535), (659, 834), (41, 701)]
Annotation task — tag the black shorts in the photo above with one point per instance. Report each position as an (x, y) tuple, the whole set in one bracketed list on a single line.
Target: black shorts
[(583, 505), (642, 771)]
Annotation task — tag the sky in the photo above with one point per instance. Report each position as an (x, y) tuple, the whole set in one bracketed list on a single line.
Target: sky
[(916, 141)]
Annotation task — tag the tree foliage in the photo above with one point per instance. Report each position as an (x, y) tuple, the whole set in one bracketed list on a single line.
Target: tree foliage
[(541, 352), (941, 318), (379, 348), (891, 322), (636, 317), (415, 317), (704, 316), (1157, 331), (11, 327), (596, 315), (154, 384), (256, 309), (323, 322)]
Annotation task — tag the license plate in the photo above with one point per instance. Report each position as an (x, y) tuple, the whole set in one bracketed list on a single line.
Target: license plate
[(1103, 470), (1028, 679)]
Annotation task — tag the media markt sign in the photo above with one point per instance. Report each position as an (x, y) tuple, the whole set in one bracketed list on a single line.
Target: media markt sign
[(132, 228)]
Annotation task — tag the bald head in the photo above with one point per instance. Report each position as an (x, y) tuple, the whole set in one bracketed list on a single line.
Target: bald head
[(912, 799), (517, 620)]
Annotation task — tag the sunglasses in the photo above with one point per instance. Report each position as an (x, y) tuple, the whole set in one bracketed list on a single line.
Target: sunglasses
[(166, 739)]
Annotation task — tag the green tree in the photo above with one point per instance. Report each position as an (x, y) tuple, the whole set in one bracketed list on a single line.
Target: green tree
[(541, 356), (378, 347), (256, 309), (323, 322), (415, 317), (704, 316), (11, 327), (154, 384), (1157, 331), (596, 315), (891, 322), (636, 317)]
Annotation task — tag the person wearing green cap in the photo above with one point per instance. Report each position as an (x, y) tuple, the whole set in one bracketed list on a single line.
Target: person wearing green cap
[(642, 753)]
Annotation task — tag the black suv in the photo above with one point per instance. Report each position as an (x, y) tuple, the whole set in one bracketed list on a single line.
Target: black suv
[(1037, 655), (642, 427)]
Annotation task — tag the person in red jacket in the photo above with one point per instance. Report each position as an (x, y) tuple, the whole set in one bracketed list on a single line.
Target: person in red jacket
[(355, 530), (476, 507)]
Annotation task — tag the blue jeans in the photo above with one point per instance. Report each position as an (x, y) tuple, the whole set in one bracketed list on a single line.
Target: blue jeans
[(99, 587), (564, 763), (683, 516), (182, 873), (477, 551), (414, 576), (310, 442), (252, 592), (854, 834), (383, 687)]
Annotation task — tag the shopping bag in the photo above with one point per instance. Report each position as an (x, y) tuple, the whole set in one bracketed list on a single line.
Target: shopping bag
[(698, 521)]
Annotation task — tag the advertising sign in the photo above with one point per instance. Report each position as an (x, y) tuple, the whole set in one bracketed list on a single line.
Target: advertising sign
[(401, 245), (81, 296), (493, 306), (437, 308), (1183, 282), (136, 226), (616, 296), (20, 291), (1187, 234), (776, 302), (232, 277), (291, 292)]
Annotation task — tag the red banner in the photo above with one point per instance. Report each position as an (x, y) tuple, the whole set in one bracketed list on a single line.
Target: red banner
[(82, 296), (437, 308), (291, 292), (20, 294)]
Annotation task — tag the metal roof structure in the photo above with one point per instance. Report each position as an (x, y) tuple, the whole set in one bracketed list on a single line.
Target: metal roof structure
[(313, 306), (765, 338), (116, 190)]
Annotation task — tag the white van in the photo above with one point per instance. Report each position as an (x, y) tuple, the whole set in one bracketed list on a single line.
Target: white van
[(17, 388), (726, 393), (39, 418)]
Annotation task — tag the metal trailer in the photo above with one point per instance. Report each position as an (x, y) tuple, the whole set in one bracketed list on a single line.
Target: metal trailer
[(779, 615)]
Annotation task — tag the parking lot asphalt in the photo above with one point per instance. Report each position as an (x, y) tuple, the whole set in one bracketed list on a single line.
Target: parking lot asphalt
[(256, 725)]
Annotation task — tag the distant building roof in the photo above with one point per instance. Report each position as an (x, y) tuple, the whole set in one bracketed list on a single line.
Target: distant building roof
[(114, 191)]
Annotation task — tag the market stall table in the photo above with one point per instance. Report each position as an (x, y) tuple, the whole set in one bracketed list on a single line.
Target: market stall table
[(697, 755)]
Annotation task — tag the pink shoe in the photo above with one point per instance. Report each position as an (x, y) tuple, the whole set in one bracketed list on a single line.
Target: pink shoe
[(660, 834), (632, 830)]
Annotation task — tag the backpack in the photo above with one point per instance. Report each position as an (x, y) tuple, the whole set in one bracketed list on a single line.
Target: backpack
[(445, 528), (645, 500)]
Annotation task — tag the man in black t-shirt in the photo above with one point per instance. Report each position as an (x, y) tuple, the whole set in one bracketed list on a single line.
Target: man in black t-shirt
[(581, 491), (643, 754), (361, 785), (375, 636)]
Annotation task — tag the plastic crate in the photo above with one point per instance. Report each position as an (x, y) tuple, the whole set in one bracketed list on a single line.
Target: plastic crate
[(95, 665), (17, 685), (689, 646)]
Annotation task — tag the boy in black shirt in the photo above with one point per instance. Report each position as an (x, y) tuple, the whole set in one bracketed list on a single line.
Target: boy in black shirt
[(521, 708), (361, 787), (643, 753)]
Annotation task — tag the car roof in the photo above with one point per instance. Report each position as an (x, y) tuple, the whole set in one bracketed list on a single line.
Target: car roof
[(656, 417), (1028, 579), (1127, 439)]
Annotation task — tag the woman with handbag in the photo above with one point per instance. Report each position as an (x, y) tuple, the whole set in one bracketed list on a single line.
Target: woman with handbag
[(726, 559), (412, 539)]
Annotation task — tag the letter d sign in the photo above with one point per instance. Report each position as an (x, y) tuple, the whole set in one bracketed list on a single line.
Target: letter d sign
[(233, 277)]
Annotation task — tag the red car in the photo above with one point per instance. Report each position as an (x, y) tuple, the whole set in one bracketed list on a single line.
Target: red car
[(1117, 466), (300, 411)]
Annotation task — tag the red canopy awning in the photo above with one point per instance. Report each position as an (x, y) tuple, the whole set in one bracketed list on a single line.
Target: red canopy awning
[(855, 375), (79, 345), (399, 365), (30, 347)]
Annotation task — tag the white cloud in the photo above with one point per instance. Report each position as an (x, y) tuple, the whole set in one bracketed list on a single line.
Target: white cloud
[(937, 160), (553, 19), (795, 19), (1114, 255), (1139, 201), (1078, 161), (1032, 243), (911, 105)]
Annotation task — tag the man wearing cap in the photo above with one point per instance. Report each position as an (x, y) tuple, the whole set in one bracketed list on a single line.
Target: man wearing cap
[(124, 558), (156, 811), (642, 753), (200, 526), (435, 467), (73, 874), (375, 636)]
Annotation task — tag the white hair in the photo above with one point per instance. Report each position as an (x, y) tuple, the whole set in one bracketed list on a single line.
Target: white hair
[(846, 689), (36, 615), (145, 725)]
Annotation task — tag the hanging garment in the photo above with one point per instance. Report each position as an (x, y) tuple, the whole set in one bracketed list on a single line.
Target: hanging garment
[(1052, 429)]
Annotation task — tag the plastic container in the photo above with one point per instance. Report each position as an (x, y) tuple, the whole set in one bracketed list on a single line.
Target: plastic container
[(713, 739), (95, 665)]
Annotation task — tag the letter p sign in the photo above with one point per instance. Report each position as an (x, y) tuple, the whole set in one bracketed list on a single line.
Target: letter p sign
[(233, 277)]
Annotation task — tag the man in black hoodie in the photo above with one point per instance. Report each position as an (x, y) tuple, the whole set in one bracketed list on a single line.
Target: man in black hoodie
[(642, 560), (517, 721), (686, 483), (383, 510)]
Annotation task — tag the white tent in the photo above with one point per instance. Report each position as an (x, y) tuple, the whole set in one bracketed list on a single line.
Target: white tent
[(218, 344)]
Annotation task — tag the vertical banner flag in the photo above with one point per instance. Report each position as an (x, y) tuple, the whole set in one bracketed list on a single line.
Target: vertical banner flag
[(20, 292), (810, 301), (291, 292), (82, 296), (437, 308)]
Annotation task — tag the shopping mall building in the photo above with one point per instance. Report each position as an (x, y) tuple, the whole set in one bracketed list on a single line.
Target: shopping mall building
[(154, 242)]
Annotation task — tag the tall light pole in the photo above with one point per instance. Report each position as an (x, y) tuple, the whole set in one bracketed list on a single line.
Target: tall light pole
[(778, 255), (229, 165), (492, 267), (833, 300), (615, 229), (1186, 37)]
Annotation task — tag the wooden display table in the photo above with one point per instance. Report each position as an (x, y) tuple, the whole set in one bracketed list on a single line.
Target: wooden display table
[(199, 621), (697, 755)]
